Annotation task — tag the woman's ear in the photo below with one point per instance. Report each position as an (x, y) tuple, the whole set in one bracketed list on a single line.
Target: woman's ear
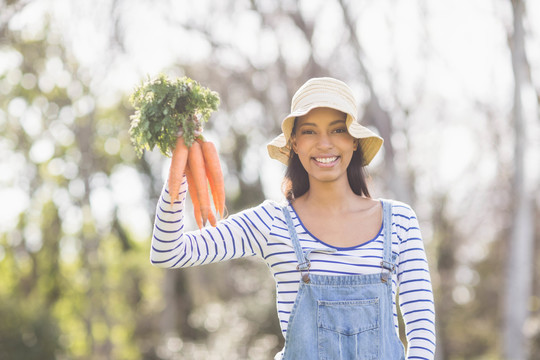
[(293, 144), (356, 142)]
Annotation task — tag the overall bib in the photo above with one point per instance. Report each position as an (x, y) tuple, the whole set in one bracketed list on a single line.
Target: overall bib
[(343, 317)]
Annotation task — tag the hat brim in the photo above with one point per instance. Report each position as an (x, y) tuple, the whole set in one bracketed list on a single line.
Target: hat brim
[(279, 148)]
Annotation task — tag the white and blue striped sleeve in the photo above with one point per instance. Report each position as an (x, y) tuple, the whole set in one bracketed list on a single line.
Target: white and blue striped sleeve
[(242, 234), (415, 291)]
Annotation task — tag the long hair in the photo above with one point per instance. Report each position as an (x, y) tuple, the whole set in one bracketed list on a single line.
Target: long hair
[(296, 180)]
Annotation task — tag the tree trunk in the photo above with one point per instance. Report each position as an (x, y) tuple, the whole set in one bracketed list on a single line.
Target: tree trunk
[(520, 262), (378, 117)]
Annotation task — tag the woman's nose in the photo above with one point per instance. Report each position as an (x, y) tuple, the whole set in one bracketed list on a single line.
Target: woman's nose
[(324, 141)]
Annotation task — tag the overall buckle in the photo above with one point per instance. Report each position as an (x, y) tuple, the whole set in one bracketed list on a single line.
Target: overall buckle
[(304, 271), (390, 267)]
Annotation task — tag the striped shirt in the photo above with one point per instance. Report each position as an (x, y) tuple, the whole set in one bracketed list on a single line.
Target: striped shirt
[(262, 231)]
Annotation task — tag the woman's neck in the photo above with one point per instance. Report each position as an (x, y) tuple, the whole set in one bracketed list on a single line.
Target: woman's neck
[(332, 196)]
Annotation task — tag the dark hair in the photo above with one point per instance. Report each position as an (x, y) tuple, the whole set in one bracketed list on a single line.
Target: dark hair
[(296, 180)]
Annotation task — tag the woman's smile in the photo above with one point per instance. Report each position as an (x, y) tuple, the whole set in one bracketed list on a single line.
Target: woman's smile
[(326, 161)]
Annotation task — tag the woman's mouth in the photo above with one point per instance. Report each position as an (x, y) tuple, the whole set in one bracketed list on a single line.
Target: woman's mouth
[(326, 160)]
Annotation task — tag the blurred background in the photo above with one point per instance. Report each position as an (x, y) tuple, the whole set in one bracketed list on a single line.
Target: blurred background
[(452, 86)]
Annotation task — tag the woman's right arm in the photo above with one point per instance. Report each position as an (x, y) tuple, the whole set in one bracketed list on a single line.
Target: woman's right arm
[(242, 234)]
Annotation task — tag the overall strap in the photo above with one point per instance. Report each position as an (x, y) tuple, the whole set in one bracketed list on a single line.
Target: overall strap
[(303, 262), (388, 263)]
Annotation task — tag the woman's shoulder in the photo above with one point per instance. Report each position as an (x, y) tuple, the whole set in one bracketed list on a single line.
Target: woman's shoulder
[(274, 205), (400, 208)]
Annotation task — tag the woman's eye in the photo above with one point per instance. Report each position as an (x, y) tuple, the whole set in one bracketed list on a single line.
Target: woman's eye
[(307, 132), (340, 130)]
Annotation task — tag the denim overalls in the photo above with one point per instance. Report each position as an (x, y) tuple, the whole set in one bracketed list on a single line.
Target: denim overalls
[(343, 317)]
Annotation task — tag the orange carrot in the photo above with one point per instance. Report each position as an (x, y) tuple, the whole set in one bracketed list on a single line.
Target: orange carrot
[(194, 198), (215, 175), (176, 170), (209, 175), (196, 165), (212, 219)]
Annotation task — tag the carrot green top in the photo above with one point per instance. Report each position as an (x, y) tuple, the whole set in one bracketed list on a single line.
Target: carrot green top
[(163, 107)]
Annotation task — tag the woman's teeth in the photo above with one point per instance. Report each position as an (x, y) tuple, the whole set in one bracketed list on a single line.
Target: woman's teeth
[(326, 160)]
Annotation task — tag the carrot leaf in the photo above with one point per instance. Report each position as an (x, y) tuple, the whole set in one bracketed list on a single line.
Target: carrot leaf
[(163, 107)]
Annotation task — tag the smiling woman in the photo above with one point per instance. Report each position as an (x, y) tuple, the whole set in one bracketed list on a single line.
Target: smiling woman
[(311, 131), (338, 107), (338, 257)]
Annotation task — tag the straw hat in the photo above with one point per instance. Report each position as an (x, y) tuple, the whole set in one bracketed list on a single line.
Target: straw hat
[(331, 93)]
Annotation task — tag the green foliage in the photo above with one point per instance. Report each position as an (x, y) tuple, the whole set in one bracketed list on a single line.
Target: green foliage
[(163, 107), (84, 291), (27, 332)]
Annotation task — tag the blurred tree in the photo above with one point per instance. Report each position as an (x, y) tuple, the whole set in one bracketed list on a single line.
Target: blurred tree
[(520, 271), (74, 249), (75, 271), (27, 333)]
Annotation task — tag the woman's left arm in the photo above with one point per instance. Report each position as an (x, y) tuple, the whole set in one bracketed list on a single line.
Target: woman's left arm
[(415, 291)]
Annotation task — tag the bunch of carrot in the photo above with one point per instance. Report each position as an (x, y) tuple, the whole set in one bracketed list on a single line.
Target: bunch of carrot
[(200, 164), (163, 106)]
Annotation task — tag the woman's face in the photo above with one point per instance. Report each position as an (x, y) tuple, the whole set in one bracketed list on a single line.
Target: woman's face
[(323, 144)]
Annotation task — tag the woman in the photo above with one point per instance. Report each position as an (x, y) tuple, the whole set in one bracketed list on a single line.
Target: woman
[(337, 255)]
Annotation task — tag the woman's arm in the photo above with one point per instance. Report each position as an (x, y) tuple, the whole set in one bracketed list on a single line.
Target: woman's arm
[(415, 291), (242, 234)]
